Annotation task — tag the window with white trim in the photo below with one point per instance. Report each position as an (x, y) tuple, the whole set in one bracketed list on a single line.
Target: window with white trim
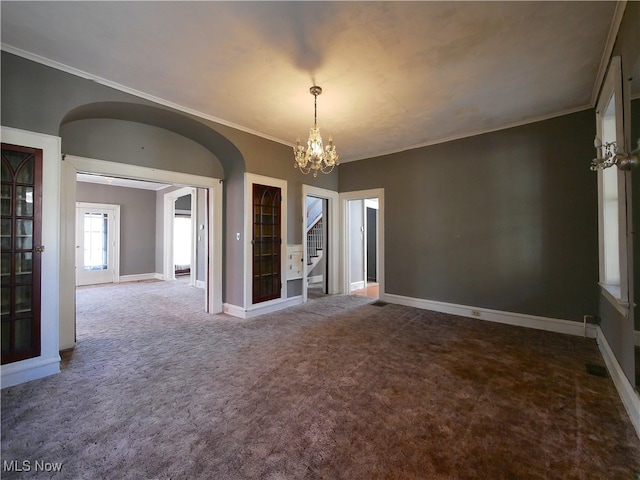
[(612, 221)]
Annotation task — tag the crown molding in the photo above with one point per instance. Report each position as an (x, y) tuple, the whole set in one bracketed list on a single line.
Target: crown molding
[(132, 91), (608, 49), (477, 132)]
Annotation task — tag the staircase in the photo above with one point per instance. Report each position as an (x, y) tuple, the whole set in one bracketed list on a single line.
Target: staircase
[(315, 234), (315, 243)]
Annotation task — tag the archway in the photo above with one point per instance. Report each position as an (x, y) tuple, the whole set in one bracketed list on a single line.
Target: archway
[(83, 132)]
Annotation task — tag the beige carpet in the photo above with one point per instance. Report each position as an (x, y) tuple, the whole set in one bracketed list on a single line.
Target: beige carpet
[(333, 389)]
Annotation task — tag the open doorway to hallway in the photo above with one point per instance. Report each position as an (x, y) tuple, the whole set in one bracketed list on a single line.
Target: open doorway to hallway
[(316, 240), (320, 252), (184, 230), (363, 242)]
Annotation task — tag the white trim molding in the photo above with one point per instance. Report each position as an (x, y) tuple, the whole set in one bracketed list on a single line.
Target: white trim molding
[(333, 238), (262, 308), (132, 91), (510, 318), (250, 179), (140, 277), (344, 238), (27, 370), (616, 21), (48, 362), (628, 394), (169, 209)]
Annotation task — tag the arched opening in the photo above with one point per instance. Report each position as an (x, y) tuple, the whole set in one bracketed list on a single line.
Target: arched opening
[(150, 144)]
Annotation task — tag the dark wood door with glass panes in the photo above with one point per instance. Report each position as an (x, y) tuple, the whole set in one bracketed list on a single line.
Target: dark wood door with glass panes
[(267, 243), (21, 250)]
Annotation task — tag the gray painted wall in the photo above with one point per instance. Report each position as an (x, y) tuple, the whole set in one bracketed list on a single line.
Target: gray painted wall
[(42, 99), (137, 223), (183, 203), (505, 221), (138, 144)]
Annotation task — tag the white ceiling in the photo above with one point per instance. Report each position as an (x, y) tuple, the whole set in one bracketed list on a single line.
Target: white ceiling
[(395, 75)]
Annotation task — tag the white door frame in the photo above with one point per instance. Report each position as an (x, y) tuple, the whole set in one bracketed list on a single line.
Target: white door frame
[(333, 239), (48, 362), (366, 205), (213, 303), (169, 217), (113, 238), (345, 258)]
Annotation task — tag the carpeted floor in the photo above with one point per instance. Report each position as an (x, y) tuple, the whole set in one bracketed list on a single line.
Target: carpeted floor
[(334, 389)]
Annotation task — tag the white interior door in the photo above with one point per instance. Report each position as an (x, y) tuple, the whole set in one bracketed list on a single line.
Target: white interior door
[(97, 243)]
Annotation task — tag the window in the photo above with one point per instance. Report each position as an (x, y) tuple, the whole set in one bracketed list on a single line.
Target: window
[(612, 214), (96, 241)]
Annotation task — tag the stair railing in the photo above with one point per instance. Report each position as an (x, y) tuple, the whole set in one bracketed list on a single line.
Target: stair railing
[(315, 241)]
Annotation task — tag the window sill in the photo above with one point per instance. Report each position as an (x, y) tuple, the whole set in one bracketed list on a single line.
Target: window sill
[(613, 295)]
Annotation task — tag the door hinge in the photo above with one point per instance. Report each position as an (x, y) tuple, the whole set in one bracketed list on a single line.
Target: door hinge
[(39, 249)]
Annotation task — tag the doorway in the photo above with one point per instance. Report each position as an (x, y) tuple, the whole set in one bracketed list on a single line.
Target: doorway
[(320, 242), (97, 243), (182, 236), (363, 247), (316, 230), (211, 208)]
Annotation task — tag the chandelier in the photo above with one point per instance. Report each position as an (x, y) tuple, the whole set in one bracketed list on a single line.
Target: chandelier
[(316, 156), (607, 155)]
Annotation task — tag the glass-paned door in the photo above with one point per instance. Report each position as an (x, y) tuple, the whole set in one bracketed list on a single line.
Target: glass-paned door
[(97, 241), (21, 235), (267, 243)]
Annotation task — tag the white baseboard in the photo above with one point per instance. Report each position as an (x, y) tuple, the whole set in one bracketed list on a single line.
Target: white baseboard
[(357, 285), (510, 318), (233, 310), (626, 391), (261, 309), (315, 279), (141, 277), (200, 284), (30, 369)]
